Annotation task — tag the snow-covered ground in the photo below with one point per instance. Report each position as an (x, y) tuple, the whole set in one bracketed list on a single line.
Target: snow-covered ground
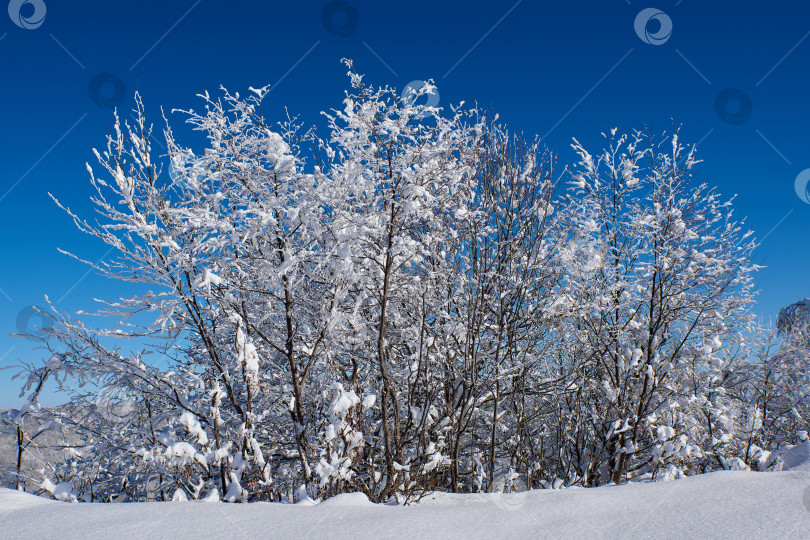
[(728, 504)]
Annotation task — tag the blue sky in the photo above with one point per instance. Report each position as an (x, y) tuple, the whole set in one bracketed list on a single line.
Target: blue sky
[(558, 69)]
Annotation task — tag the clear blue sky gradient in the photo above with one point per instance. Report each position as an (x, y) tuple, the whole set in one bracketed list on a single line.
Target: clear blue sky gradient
[(558, 69)]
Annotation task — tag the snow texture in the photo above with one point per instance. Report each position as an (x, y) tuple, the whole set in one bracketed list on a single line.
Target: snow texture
[(725, 504)]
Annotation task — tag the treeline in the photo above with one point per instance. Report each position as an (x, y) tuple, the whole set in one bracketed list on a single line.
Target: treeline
[(424, 300)]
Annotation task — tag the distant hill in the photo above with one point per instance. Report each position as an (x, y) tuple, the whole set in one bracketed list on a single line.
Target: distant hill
[(48, 446)]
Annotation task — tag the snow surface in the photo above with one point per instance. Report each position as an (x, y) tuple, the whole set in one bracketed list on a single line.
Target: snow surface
[(797, 458), (728, 504)]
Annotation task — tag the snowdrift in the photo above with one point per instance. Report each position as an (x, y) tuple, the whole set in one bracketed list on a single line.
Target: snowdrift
[(728, 504)]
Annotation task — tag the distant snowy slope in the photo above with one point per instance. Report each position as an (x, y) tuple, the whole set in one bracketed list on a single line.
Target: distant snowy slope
[(716, 505), (48, 447)]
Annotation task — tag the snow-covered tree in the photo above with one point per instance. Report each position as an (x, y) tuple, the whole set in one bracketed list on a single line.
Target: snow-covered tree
[(409, 304), (405, 173), (660, 276), (778, 387)]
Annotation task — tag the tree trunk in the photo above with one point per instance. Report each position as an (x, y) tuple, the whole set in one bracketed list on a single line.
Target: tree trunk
[(20, 450)]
